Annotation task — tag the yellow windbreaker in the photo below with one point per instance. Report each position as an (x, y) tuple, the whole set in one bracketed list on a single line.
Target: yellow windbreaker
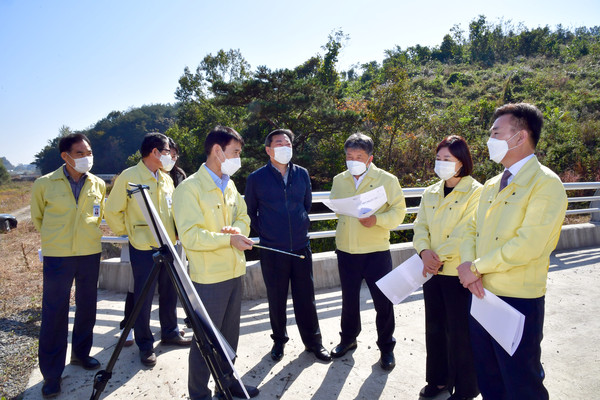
[(123, 214), (513, 232), (201, 210), (441, 221), (351, 236), (68, 228)]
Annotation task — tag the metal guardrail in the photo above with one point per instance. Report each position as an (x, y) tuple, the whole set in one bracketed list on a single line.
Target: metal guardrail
[(318, 197)]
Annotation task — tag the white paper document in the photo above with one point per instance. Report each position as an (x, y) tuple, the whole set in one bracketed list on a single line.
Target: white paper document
[(403, 280), (501, 320), (359, 206)]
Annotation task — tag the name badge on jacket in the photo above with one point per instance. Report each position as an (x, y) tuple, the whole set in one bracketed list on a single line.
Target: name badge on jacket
[(96, 210), (169, 201)]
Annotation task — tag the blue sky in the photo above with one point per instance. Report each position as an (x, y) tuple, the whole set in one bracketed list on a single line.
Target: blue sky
[(71, 62)]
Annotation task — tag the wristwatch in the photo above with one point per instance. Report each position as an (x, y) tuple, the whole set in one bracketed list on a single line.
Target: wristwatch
[(474, 270)]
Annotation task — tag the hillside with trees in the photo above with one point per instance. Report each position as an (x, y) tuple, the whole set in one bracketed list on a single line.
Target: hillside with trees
[(407, 103)]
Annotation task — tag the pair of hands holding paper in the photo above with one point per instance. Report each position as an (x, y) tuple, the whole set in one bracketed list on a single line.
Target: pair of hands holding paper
[(432, 264), (469, 280)]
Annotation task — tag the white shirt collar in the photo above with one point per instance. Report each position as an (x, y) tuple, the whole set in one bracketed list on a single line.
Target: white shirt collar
[(516, 167)]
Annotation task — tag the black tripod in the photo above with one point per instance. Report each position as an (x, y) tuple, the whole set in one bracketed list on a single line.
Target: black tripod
[(206, 338)]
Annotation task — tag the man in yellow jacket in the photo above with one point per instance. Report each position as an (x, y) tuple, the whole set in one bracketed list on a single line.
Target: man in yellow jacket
[(363, 246), (124, 217), (213, 226), (507, 250), (66, 208)]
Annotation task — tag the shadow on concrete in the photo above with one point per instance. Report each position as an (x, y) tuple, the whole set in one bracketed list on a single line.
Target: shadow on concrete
[(568, 259), (335, 378)]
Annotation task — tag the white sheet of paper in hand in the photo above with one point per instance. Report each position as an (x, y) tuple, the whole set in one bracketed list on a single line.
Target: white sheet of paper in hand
[(360, 206), (403, 280), (501, 320)]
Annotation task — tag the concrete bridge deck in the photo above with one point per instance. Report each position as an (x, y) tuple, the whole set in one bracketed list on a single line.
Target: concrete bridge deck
[(571, 354)]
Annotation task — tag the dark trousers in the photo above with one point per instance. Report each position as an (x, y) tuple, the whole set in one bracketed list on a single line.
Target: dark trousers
[(223, 303), (129, 304), (141, 264), (371, 267), (279, 271), (449, 355), (521, 376), (59, 273)]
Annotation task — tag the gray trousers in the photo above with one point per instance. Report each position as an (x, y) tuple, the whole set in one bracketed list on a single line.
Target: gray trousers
[(223, 302)]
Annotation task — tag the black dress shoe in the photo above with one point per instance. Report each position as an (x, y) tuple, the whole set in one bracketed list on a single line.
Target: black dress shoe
[(51, 388), (177, 340), (277, 351), (342, 348), (431, 390), (148, 358), (319, 352), (387, 360), (86, 362), (236, 391)]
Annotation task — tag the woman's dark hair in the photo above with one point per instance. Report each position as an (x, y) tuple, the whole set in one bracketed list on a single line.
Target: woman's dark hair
[(459, 148)]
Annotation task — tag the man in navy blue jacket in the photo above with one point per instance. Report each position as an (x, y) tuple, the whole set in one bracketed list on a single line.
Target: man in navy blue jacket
[(279, 197)]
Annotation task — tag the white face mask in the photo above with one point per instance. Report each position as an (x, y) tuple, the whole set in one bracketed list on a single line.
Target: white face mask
[(445, 169), (356, 167), (83, 164), (167, 162), (498, 148), (282, 154), (231, 165)]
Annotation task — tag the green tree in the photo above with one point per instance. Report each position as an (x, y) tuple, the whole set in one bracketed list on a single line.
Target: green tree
[(4, 175)]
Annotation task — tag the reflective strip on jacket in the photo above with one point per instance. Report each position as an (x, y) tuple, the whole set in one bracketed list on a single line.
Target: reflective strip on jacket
[(441, 221), (68, 228), (201, 210), (351, 236), (123, 214), (513, 232)]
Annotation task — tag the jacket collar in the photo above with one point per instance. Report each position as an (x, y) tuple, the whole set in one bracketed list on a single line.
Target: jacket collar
[(58, 174), (464, 185), (527, 172), (146, 174), (272, 168), (205, 179)]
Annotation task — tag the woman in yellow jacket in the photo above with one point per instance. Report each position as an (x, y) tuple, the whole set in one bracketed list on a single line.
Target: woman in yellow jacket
[(445, 209)]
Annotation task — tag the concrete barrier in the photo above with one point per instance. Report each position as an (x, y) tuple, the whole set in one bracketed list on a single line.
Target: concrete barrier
[(116, 275)]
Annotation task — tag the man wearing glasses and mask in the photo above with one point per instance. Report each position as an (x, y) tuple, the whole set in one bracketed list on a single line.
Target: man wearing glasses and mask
[(125, 217)]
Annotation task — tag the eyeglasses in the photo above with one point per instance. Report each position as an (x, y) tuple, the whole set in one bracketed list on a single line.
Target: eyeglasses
[(161, 150)]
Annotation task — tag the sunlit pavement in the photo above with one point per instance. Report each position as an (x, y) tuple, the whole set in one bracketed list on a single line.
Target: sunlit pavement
[(571, 354)]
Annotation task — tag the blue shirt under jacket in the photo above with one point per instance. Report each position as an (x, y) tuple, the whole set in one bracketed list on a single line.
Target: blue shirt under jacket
[(279, 211)]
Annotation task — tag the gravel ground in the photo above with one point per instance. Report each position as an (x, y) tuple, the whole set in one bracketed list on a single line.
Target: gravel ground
[(18, 351)]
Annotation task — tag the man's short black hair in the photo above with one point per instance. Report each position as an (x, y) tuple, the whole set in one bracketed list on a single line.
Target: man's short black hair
[(525, 116), (359, 141), (66, 142), (221, 135), (153, 140), (286, 132)]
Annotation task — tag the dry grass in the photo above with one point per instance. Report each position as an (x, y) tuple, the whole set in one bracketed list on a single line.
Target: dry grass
[(20, 294), (14, 195)]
